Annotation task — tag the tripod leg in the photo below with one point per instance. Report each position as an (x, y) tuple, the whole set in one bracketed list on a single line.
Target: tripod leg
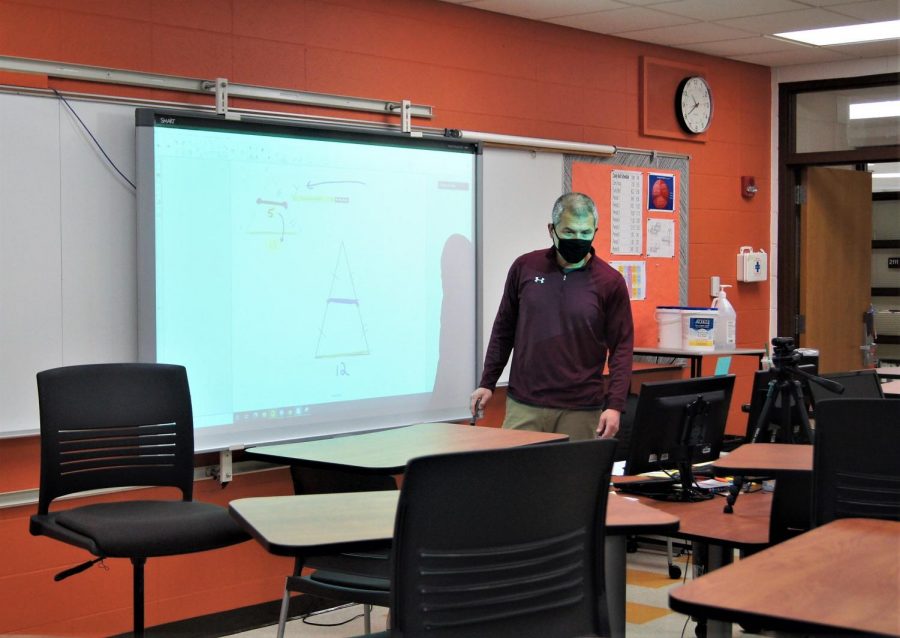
[(787, 421), (764, 419), (801, 408), (736, 485)]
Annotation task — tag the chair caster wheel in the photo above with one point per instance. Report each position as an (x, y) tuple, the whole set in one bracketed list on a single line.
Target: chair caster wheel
[(674, 571)]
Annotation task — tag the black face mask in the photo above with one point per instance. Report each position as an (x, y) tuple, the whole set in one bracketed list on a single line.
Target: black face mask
[(572, 250)]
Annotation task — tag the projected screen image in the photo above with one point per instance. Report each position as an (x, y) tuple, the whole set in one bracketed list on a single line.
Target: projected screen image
[(306, 281)]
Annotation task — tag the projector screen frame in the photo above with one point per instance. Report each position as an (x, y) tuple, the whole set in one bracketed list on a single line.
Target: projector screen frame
[(233, 436)]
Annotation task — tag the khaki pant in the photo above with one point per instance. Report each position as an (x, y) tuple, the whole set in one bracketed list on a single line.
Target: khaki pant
[(580, 425)]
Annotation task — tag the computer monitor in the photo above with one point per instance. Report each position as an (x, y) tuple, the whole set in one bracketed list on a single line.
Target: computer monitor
[(677, 424), (859, 384)]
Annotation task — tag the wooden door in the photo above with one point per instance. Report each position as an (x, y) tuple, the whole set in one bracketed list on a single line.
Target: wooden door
[(835, 264)]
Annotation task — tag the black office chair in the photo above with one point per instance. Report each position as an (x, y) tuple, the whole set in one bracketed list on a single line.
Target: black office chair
[(359, 577), (503, 543), (855, 468), (123, 425), (857, 384)]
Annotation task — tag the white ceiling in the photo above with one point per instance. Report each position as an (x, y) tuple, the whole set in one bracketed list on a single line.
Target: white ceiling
[(736, 29)]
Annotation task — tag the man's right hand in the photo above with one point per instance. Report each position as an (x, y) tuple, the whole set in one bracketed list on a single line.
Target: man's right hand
[(481, 394)]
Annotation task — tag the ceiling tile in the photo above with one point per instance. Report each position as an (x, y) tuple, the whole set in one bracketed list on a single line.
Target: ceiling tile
[(869, 49), (742, 46), (811, 55), (686, 34), (724, 9), (655, 3), (619, 21), (789, 21), (828, 3), (542, 10), (872, 11)]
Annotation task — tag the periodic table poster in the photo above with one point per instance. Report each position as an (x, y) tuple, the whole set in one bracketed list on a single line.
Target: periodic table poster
[(638, 234)]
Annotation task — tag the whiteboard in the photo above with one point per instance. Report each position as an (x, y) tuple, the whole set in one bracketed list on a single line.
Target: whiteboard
[(519, 189), (68, 289)]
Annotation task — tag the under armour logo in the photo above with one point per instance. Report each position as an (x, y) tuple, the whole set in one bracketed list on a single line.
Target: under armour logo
[(538, 280)]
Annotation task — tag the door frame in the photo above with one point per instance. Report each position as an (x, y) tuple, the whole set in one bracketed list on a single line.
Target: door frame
[(790, 165)]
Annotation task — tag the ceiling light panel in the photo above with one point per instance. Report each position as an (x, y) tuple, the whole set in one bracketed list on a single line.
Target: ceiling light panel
[(871, 32)]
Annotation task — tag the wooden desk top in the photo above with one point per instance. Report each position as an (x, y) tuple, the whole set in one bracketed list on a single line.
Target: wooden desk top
[(626, 515), (704, 521), (843, 575), (326, 523), (762, 458), (388, 451), (681, 352)]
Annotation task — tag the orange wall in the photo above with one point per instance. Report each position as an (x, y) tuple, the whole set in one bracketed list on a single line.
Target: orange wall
[(480, 71)]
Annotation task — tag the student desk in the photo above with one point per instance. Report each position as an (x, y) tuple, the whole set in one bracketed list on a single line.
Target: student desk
[(388, 451), (765, 458), (716, 534), (354, 521), (842, 576), (696, 358)]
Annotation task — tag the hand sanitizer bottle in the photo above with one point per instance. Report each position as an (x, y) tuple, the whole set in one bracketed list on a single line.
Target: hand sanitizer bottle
[(726, 322)]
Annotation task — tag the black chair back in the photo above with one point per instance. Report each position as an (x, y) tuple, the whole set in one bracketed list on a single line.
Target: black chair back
[(856, 472), (503, 543), (857, 384), (114, 425)]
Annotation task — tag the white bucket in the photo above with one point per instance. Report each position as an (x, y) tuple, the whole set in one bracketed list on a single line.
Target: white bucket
[(698, 329), (668, 319)]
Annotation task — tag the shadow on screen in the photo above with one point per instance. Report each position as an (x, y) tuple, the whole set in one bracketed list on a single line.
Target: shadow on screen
[(452, 378), (676, 425)]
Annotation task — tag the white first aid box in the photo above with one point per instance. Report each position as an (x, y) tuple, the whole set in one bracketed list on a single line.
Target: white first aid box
[(752, 266)]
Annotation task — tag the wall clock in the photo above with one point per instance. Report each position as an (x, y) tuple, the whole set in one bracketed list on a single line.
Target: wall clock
[(693, 104)]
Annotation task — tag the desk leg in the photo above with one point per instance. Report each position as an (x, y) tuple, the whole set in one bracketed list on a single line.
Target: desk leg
[(283, 614), (718, 556), (614, 573)]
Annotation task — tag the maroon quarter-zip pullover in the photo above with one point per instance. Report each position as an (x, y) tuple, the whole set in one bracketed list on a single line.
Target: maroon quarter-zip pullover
[(560, 326)]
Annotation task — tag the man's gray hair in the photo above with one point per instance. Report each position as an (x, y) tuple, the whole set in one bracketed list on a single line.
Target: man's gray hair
[(579, 204)]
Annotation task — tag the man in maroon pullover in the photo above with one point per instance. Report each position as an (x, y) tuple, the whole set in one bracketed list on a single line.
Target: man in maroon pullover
[(563, 310)]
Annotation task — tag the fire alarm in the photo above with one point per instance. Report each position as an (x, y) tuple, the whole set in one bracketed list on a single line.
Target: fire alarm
[(748, 186)]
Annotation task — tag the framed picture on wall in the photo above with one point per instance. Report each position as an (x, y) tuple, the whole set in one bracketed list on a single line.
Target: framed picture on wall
[(661, 193)]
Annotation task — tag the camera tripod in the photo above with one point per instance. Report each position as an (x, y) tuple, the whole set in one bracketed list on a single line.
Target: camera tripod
[(784, 386)]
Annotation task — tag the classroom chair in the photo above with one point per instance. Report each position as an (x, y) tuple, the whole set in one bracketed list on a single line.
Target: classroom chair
[(503, 543), (855, 468), (123, 425)]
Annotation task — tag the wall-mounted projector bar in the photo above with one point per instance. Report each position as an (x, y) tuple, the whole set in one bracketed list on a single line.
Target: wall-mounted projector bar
[(193, 85), (536, 143)]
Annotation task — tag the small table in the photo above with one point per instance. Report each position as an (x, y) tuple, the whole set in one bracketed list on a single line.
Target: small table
[(889, 372), (717, 534), (696, 358), (797, 586), (891, 388), (765, 458), (388, 451), (354, 521)]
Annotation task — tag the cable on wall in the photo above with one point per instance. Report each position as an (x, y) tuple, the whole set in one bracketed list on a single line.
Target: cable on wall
[(96, 141)]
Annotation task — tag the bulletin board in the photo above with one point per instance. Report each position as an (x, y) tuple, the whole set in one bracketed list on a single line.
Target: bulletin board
[(643, 227)]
